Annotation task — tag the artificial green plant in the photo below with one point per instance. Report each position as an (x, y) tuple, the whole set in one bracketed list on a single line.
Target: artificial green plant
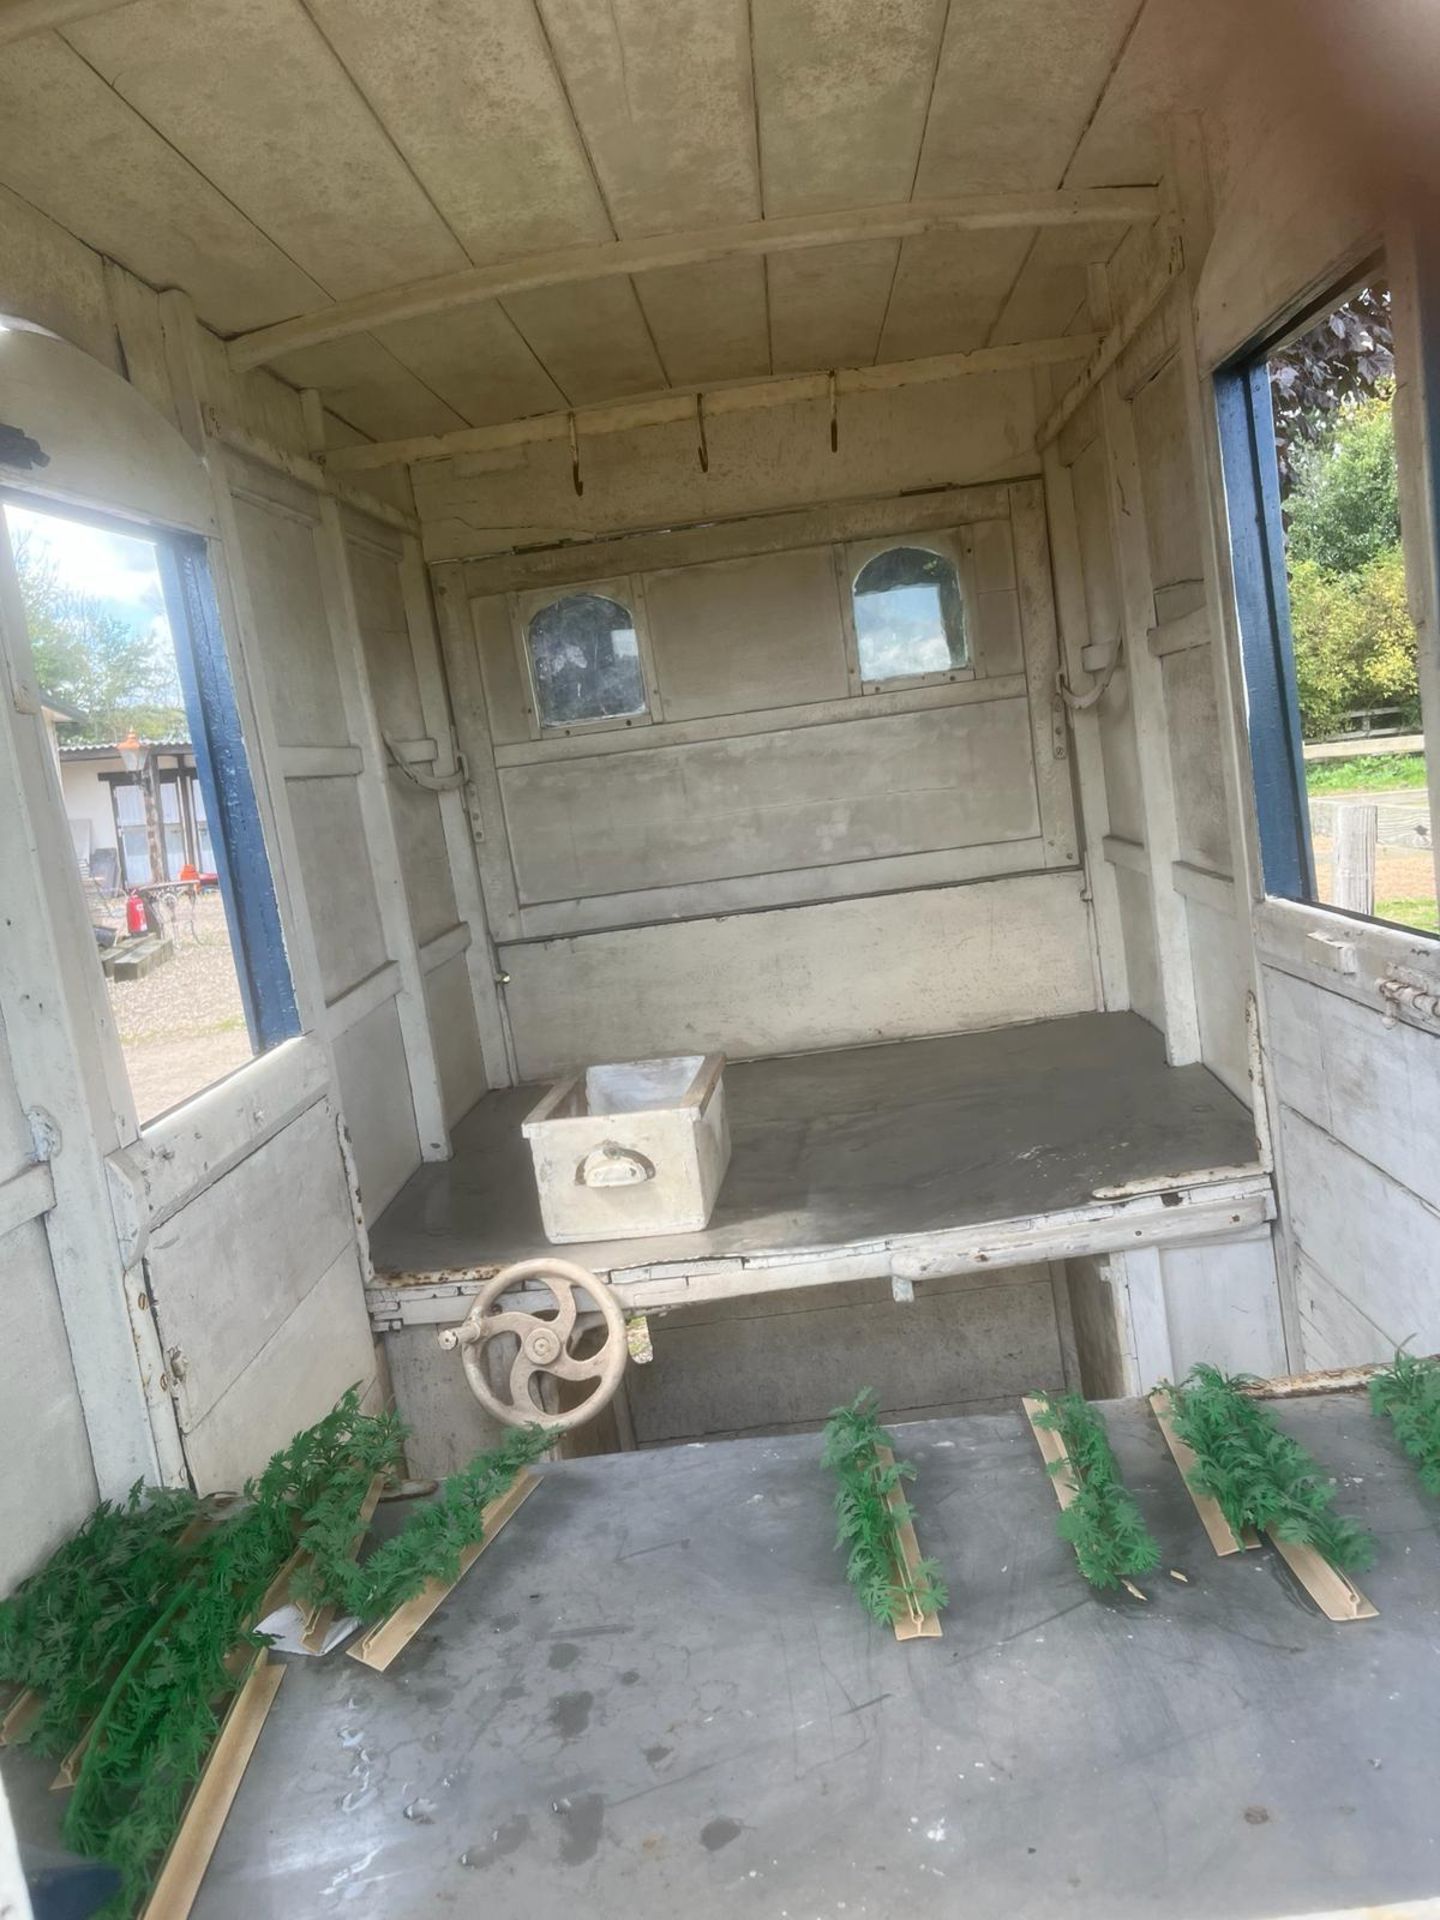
[(1102, 1523), (869, 1520), (1258, 1474), (141, 1624), (1408, 1393)]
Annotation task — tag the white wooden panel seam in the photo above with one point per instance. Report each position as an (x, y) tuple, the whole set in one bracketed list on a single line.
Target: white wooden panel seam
[(380, 834), (1201, 884), (1121, 852), (183, 1154), (321, 763), (1187, 630), (799, 887), (357, 1003), (25, 1196), (456, 819), (742, 726), (769, 532), (445, 947)]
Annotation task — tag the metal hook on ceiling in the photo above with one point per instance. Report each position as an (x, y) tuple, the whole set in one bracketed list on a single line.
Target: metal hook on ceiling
[(834, 416), (703, 447), (575, 456)]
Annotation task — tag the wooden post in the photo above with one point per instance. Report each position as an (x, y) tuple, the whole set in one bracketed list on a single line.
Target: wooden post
[(1356, 829)]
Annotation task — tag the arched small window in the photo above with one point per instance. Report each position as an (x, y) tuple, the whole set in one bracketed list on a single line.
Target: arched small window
[(909, 616), (585, 661)]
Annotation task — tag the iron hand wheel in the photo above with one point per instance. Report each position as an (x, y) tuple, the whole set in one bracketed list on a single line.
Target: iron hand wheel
[(543, 1341)]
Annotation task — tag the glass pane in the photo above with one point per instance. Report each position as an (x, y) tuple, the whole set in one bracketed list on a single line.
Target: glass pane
[(909, 617), (129, 805), (1355, 644), (105, 658), (135, 851), (586, 661)]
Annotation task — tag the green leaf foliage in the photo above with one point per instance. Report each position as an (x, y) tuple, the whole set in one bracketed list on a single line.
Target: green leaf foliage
[(868, 1522), (437, 1535), (143, 1634), (1408, 1393), (1102, 1523), (1260, 1476), (68, 1629)]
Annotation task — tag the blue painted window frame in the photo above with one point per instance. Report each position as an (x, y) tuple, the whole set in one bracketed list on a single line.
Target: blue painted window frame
[(1267, 644), (242, 862), (222, 766)]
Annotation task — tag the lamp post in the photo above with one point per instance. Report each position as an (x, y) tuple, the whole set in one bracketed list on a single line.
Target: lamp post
[(137, 756)]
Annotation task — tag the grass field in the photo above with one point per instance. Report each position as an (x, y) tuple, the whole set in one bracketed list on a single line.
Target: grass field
[(1366, 773), (1424, 914)]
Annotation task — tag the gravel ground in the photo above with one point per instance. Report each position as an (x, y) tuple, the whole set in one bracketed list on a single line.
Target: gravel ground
[(183, 1027)]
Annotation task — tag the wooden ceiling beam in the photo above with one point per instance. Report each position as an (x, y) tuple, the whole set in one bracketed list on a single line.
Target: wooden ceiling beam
[(679, 404), (21, 17), (568, 266)]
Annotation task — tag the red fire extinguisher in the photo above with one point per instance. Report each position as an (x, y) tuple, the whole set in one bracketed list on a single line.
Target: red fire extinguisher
[(135, 914)]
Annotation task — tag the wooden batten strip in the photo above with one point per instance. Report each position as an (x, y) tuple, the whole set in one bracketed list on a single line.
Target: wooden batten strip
[(1334, 1592), (190, 1851), (21, 1715), (1066, 1483), (913, 1624), (1222, 1534), (318, 1620), (391, 1636)]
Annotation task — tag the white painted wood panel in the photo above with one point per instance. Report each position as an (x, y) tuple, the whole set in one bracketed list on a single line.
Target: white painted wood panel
[(374, 1088), (338, 883), (1372, 1238), (844, 973), (452, 1020), (1334, 1330), (953, 434), (737, 635), (323, 1347), (227, 1271), (49, 1486), (772, 802), (1376, 1088), (283, 570), (1222, 1305)]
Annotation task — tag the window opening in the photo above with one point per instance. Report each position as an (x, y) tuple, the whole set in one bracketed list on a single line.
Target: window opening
[(1330, 649), (585, 661), (909, 615), (141, 715)]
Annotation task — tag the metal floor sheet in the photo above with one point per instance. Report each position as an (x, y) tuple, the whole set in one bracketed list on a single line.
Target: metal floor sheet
[(654, 1696)]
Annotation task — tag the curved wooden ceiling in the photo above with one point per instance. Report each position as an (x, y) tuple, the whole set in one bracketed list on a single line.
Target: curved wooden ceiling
[(274, 157)]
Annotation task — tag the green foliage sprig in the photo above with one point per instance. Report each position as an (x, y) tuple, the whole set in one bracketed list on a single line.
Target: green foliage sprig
[(329, 1527), (67, 1629), (1409, 1393), (429, 1547), (149, 1740), (141, 1631), (869, 1522), (1102, 1523), (1260, 1476)]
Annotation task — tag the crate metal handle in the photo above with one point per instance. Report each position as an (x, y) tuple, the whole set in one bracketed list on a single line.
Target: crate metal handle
[(611, 1165)]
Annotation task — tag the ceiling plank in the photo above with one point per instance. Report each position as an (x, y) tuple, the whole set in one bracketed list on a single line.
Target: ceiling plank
[(676, 404), (569, 265), (19, 17)]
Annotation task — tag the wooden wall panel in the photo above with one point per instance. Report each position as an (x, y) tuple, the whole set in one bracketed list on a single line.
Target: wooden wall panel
[(843, 973), (374, 1089), (283, 571), (339, 885), (745, 634), (801, 798)]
